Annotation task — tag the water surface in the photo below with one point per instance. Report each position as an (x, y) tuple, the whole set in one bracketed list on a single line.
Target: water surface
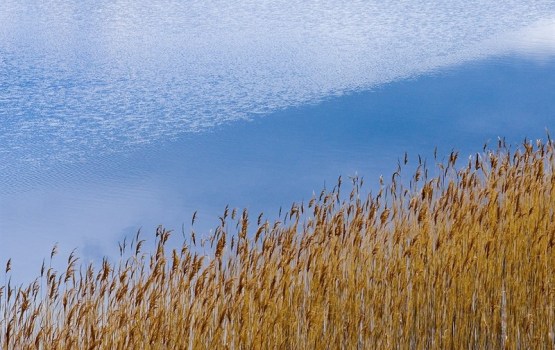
[(117, 115)]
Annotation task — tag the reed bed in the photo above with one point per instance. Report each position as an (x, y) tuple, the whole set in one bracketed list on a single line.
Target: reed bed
[(461, 259)]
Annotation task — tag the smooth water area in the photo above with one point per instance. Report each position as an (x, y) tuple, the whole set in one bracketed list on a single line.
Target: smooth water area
[(120, 115)]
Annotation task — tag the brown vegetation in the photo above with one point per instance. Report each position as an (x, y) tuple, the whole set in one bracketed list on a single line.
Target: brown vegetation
[(464, 259)]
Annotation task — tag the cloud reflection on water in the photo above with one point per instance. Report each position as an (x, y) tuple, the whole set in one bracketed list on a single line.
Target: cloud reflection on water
[(272, 161), (97, 77)]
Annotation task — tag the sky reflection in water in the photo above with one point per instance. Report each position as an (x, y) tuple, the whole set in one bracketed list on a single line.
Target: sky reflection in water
[(106, 128), (272, 161)]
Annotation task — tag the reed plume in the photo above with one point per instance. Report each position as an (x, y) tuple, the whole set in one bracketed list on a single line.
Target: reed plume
[(461, 259)]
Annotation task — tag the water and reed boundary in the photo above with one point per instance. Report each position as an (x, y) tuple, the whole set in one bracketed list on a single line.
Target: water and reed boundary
[(461, 259)]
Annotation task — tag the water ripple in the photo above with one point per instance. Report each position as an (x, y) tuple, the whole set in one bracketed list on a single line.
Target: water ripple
[(83, 78)]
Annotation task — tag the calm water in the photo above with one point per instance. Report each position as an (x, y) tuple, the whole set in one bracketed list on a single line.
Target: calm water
[(117, 115)]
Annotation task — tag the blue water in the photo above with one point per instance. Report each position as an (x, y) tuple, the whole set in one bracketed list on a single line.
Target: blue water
[(116, 116)]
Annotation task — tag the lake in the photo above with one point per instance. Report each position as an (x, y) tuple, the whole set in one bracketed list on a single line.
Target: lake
[(120, 115)]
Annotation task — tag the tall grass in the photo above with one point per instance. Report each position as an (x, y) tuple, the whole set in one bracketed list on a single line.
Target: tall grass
[(464, 259)]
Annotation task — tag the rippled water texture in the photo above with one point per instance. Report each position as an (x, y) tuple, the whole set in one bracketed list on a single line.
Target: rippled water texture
[(116, 115), (83, 78)]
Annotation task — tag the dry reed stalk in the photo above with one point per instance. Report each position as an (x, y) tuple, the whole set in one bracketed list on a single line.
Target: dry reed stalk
[(463, 259)]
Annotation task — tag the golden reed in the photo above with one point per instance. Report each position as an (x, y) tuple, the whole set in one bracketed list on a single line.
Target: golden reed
[(463, 259)]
